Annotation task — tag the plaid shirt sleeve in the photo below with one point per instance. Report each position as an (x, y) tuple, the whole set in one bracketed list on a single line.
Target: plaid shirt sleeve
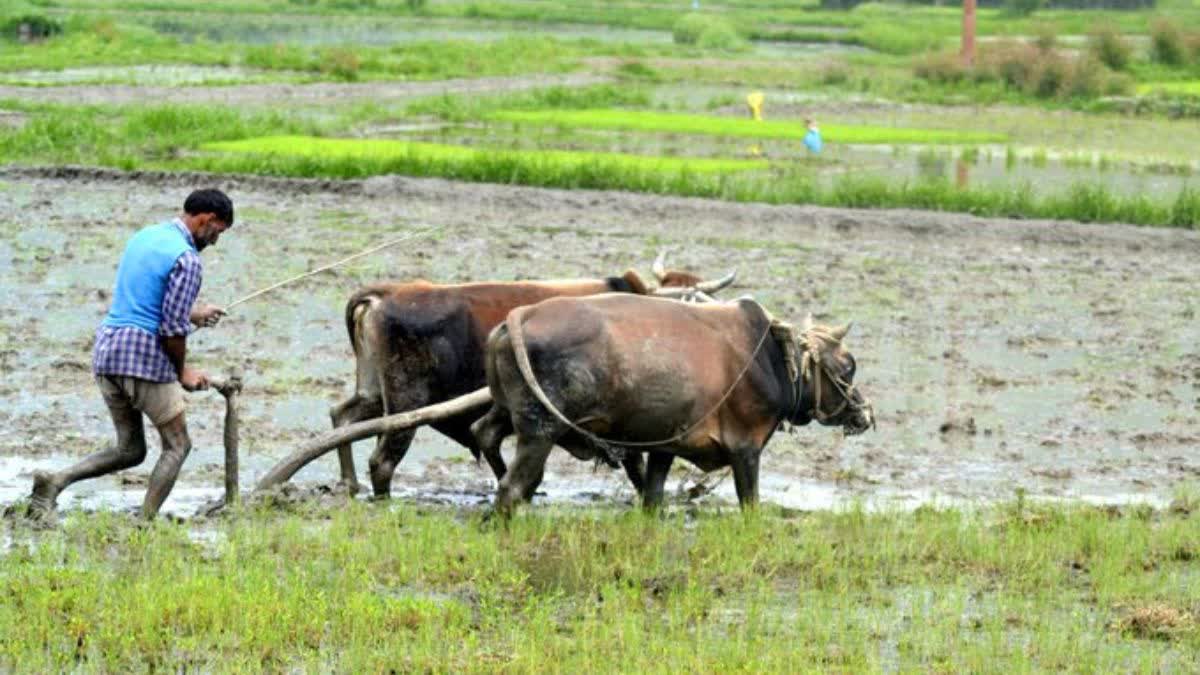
[(183, 285)]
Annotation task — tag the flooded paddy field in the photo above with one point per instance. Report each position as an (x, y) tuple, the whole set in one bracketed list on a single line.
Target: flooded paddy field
[(1054, 360)]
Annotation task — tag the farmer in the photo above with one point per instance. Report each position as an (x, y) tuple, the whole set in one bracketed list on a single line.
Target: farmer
[(812, 137), (140, 356)]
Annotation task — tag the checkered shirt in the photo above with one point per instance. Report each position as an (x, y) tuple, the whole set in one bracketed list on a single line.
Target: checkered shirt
[(135, 352)]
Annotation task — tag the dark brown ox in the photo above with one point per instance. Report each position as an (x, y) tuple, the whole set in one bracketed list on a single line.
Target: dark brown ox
[(418, 343), (612, 376)]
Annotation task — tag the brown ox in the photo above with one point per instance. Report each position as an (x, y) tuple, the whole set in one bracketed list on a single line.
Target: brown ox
[(611, 376), (418, 343)]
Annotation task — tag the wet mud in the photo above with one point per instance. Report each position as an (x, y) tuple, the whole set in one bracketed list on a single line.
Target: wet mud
[(1055, 359)]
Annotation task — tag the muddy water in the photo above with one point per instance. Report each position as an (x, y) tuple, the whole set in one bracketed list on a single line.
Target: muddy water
[(1052, 358)]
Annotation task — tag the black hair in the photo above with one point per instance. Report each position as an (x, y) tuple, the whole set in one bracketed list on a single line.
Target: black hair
[(210, 201)]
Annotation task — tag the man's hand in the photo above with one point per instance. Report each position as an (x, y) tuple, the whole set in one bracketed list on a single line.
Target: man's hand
[(206, 315), (193, 380)]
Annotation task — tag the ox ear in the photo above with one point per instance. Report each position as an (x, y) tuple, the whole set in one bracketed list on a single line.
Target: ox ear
[(807, 323), (839, 333), (659, 267)]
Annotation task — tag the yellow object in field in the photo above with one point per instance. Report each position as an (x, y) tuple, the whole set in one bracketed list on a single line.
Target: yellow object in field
[(755, 101)]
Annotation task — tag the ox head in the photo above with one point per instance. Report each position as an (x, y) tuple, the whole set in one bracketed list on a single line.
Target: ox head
[(826, 381), (685, 285)]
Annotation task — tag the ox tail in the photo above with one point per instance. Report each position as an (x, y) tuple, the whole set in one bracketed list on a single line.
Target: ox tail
[(356, 309), (516, 333)]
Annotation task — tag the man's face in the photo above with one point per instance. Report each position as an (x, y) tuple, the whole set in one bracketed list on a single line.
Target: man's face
[(210, 231)]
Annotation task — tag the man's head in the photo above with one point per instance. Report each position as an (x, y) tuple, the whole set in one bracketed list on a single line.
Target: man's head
[(208, 213)]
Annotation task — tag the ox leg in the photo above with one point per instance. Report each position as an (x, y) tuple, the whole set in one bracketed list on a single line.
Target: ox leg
[(656, 477), (745, 476), (635, 468), (524, 475), (354, 409), (389, 450), (490, 431)]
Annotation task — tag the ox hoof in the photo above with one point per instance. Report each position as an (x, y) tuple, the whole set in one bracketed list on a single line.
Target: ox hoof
[(350, 488)]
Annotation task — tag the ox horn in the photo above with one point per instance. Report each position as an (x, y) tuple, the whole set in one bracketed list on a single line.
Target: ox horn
[(807, 324), (839, 333), (716, 284), (660, 272)]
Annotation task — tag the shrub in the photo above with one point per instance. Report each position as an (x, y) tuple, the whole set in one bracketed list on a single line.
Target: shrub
[(31, 27), (721, 36), (688, 28), (1085, 78), (415, 6), (707, 32), (1108, 46), (1013, 63), (1048, 77), (342, 64), (1167, 44)]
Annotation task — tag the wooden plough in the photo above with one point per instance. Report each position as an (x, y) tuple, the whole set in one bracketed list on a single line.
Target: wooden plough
[(286, 468)]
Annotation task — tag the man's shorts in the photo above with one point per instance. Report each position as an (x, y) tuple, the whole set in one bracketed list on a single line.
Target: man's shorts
[(160, 401)]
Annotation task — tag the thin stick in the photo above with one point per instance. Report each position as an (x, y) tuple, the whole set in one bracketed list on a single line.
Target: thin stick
[(330, 266)]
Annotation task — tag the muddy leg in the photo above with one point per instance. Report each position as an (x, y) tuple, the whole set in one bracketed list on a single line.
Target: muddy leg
[(175, 448), (354, 409), (745, 476), (129, 451), (635, 468), (490, 431), (656, 477), (524, 475), (389, 450)]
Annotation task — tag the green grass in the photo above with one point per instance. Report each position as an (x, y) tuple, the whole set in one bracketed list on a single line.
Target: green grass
[(369, 588), (1190, 87), (415, 153), (658, 122)]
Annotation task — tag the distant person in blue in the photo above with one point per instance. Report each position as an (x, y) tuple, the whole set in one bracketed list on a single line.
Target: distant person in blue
[(812, 139), (140, 352)]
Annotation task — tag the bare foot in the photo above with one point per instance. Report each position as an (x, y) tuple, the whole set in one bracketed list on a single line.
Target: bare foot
[(45, 494)]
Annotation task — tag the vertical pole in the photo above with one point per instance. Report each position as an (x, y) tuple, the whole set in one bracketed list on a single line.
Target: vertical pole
[(230, 389), (968, 34)]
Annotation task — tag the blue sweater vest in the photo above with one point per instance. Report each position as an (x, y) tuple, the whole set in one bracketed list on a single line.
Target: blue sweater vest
[(142, 276)]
